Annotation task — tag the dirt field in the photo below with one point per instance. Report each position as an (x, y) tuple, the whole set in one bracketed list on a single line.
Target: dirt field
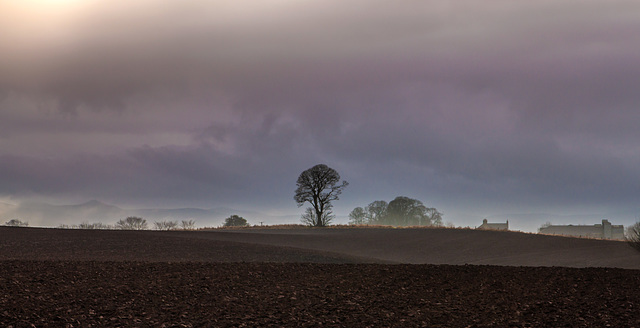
[(77, 278)]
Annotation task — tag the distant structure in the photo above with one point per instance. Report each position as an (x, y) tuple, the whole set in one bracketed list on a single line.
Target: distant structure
[(494, 226), (603, 231)]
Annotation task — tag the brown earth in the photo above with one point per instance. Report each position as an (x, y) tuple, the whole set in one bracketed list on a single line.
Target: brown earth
[(82, 278)]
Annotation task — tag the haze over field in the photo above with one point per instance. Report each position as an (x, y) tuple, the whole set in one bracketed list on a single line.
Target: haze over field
[(499, 109)]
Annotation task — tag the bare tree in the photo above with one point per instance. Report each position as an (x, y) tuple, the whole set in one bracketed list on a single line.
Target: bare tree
[(434, 216), (319, 186), (132, 223), (309, 217), (633, 235), (166, 225), (188, 224)]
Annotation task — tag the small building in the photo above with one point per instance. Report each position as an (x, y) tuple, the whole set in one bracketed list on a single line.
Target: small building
[(602, 231), (494, 226)]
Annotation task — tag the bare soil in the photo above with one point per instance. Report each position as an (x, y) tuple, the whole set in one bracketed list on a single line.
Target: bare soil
[(81, 278)]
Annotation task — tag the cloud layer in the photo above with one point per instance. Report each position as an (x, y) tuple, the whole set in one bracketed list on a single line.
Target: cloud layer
[(477, 109)]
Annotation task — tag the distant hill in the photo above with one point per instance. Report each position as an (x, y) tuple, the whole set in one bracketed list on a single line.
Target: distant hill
[(48, 215)]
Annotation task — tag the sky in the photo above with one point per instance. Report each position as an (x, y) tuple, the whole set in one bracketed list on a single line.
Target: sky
[(478, 109)]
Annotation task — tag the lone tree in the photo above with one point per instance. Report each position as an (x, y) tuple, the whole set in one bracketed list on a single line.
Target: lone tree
[(319, 186), (235, 221)]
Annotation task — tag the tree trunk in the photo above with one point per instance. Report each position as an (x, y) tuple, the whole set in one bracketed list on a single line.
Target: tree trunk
[(319, 219)]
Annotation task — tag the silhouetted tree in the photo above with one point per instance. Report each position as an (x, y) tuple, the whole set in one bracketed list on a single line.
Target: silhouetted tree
[(132, 223), (235, 221), (188, 224), (405, 211), (319, 186), (16, 223), (633, 235), (309, 217), (358, 216)]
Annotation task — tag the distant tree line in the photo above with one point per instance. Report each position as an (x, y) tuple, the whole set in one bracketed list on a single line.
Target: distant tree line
[(135, 223), (87, 226), (402, 211), (138, 223)]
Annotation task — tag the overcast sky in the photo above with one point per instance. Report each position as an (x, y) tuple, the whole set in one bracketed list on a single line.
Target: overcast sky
[(477, 108)]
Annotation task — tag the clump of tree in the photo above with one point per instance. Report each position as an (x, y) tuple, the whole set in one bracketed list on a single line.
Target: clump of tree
[(402, 211), (318, 186), (235, 221), (132, 223), (16, 223), (633, 235), (165, 225)]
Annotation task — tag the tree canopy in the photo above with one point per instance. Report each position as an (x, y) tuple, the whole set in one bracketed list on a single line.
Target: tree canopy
[(319, 186)]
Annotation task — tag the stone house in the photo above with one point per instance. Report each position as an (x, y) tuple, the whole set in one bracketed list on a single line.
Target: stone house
[(494, 226)]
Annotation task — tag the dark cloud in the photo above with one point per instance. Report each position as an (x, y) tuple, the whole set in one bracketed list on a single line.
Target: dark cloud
[(512, 106)]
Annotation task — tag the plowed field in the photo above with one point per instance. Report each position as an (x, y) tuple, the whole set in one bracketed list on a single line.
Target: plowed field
[(74, 278)]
